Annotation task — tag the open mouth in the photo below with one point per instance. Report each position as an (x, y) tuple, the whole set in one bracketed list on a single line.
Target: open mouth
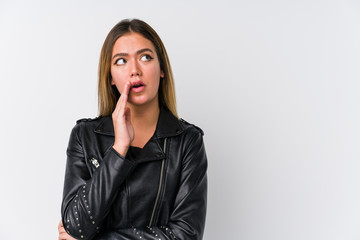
[(137, 86)]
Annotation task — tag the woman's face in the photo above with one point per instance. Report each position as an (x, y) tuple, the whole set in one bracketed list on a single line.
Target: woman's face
[(134, 59)]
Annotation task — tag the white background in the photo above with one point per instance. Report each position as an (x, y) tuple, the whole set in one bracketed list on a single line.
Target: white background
[(274, 85)]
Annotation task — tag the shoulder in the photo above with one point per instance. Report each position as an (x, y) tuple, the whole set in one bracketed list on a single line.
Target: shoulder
[(87, 124), (193, 142), (88, 120), (189, 127)]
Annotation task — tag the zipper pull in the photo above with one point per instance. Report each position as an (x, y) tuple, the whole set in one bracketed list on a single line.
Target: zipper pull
[(95, 162)]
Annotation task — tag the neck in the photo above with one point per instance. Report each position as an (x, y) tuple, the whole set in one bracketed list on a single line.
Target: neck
[(144, 119), (145, 116)]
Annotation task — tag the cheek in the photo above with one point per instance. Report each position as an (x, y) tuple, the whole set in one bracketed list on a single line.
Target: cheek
[(155, 73), (117, 79), (156, 78)]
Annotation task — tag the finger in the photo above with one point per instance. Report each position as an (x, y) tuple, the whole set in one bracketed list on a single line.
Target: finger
[(60, 225), (62, 230), (124, 98), (126, 90), (121, 103), (127, 114), (65, 236), (127, 87)]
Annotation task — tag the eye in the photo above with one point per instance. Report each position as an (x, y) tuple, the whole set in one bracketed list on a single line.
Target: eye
[(146, 58), (120, 61)]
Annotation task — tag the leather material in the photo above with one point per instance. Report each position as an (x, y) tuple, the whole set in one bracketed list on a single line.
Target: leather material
[(158, 195)]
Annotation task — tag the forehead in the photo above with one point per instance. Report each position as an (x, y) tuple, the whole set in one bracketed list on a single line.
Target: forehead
[(131, 42)]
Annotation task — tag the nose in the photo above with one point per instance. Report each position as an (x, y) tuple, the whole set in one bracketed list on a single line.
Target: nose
[(135, 69)]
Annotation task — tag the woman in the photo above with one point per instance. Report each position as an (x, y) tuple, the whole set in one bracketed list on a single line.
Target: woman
[(136, 171)]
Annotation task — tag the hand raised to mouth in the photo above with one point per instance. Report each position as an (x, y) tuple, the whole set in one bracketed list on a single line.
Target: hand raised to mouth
[(123, 129)]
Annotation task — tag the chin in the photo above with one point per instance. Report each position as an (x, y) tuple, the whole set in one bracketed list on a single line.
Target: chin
[(141, 100), (138, 100)]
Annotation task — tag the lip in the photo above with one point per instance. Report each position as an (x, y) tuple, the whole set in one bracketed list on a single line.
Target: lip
[(139, 86)]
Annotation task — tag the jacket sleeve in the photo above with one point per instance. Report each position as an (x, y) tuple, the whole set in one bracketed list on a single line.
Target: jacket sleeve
[(187, 219), (87, 199)]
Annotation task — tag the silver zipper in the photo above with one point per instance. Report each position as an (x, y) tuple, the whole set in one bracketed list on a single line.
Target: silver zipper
[(95, 162), (160, 185)]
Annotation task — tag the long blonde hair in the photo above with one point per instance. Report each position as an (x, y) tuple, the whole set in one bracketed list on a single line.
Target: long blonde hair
[(107, 93)]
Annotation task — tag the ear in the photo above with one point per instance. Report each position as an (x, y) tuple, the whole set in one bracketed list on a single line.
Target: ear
[(112, 82), (162, 75)]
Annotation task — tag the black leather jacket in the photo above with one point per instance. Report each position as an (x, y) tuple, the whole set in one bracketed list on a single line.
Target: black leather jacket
[(158, 192)]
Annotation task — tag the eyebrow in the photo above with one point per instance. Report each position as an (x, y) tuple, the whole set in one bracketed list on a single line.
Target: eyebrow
[(137, 52)]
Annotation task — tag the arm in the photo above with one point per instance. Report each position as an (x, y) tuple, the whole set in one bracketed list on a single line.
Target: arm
[(188, 217), (87, 201)]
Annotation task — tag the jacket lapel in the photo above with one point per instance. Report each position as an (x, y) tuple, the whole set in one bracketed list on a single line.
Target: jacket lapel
[(168, 125)]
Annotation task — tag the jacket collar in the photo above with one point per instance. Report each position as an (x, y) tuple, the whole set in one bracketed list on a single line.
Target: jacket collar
[(167, 126)]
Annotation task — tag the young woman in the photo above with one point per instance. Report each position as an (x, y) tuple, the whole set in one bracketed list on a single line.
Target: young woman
[(137, 171)]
